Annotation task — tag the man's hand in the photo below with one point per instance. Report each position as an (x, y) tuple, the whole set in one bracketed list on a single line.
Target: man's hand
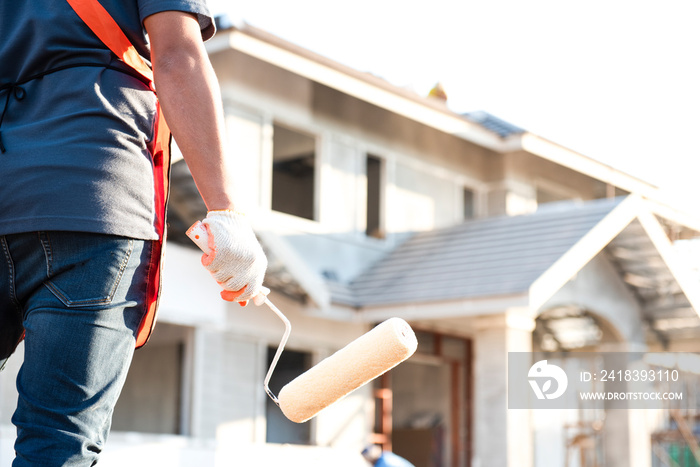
[(235, 259)]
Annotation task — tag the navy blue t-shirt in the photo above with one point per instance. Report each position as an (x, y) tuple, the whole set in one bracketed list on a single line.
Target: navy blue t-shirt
[(77, 140)]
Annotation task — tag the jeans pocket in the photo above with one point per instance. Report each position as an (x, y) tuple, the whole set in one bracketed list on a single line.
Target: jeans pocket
[(85, 270)]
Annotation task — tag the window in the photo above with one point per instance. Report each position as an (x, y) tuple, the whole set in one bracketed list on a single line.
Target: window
[(279, 429), (152, 398), (374, 197), (468, 207), (293, 172)]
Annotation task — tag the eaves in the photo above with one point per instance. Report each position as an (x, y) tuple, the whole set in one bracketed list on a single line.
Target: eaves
[(430, 112)]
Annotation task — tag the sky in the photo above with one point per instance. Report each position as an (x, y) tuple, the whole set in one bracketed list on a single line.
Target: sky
[(615, 80)]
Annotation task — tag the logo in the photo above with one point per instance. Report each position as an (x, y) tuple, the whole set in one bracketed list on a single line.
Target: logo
[(544, 373)]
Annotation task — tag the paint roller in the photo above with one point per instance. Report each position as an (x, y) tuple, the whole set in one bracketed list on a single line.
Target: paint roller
[(361, 361)]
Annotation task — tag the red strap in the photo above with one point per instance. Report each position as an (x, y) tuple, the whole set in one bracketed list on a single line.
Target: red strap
[(108, 31), (161, 172)]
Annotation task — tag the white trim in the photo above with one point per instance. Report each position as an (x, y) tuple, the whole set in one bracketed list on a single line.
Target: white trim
[(518, 318), (676, 216), (447, 309), (568, 158), (321, 169), (266, 161), (599, 237), (187, 379), (350, 85), (583, 251), (198, 366), (362, 199), (442, 120), (663, 245)]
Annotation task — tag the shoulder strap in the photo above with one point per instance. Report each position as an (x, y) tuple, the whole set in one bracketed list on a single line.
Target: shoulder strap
[(108, 31)]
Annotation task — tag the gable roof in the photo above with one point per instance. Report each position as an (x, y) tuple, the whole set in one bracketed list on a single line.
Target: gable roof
[(485, 266), (479, 258)]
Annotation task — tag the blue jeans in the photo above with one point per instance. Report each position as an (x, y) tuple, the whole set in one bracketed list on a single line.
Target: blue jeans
[(80, 298)]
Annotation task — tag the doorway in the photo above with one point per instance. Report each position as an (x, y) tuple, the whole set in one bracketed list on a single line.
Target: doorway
[(424, 405)]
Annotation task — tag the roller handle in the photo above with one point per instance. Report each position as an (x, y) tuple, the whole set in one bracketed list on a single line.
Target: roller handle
[(199, 235)]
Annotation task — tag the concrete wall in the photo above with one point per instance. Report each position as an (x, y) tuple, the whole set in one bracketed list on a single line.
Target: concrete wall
[(518, 181), (546, 175), (599, 289), (502, 437), (425, 170)]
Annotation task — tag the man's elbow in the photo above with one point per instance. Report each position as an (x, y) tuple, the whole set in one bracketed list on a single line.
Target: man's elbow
[(175, 59)]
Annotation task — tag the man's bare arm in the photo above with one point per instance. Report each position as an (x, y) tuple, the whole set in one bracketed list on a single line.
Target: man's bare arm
[(190, 97), (191, 101)]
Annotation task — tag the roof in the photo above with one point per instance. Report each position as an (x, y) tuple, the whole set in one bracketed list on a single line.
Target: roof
[(480, 265), (484, 265), (486, 257), (488, 133), (493, 123)]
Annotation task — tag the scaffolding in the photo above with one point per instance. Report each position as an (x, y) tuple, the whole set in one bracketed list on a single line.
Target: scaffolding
[(584, 441), (678, 443)]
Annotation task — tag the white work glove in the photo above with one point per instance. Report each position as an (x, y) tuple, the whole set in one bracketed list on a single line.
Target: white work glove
[(236, 259)]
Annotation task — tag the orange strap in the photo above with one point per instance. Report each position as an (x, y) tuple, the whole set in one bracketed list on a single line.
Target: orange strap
[(108, 31)]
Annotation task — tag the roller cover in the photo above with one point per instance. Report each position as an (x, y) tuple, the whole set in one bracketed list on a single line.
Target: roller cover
[(356, 364)]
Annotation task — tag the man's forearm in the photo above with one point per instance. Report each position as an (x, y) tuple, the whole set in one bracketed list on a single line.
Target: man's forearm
[(190, 98)]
